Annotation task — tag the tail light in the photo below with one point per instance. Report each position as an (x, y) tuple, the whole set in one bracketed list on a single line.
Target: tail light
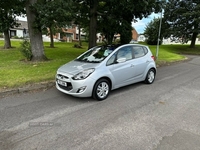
[(153, 58)]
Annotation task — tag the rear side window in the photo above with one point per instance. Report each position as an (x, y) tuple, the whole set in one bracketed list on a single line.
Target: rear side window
[(139, 51)]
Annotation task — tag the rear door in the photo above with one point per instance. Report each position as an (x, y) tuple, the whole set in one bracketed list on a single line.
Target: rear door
[(140, 61)]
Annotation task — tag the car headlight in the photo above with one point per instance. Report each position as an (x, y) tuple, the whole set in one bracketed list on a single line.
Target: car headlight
[(84, 74)]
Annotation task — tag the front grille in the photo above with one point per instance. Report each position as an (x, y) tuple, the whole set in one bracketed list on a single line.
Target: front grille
[(62, 77), (68, 88)]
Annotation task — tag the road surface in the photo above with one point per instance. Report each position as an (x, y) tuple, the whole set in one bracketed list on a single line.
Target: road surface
[(161, 116)]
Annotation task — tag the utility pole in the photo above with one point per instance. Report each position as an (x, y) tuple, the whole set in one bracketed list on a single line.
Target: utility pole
[(158, 41)]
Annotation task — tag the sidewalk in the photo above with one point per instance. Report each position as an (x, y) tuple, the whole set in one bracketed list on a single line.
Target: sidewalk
[(27, 88)]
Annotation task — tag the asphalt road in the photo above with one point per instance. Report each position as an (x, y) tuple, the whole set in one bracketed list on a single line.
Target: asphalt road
[(161, 116)]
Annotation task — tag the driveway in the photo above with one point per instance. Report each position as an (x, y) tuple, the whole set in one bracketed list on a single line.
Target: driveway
[(161, 116)]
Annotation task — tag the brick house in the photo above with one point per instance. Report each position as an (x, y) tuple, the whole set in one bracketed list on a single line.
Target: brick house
[(134, 34), (70, 33)]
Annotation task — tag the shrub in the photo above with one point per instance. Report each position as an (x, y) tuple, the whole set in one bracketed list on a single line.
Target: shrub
[(25, 49), (77, 45), (15, 37), (153, 42)]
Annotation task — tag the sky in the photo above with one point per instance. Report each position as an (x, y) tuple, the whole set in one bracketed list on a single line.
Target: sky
[(141, 24)]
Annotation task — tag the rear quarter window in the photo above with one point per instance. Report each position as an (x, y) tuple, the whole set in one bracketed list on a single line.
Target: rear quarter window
[(145, 50), (139, 51)]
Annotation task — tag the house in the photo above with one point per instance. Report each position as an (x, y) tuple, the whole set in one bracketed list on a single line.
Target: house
[(21, 31), (134, 35), (141, 38), (68, 34)]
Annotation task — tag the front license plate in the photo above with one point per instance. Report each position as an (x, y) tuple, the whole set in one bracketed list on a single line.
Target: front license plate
[(62, 83)]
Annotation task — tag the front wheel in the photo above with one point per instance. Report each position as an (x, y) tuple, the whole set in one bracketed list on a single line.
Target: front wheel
[(150, 77), (101, 89)]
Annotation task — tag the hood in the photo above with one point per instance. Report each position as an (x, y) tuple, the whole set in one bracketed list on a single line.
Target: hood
[(75, 67)]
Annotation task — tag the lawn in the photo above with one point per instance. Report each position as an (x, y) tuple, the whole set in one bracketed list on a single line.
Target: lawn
[(15, 72)]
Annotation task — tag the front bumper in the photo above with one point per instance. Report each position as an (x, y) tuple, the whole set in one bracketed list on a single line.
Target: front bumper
[(77, 88)]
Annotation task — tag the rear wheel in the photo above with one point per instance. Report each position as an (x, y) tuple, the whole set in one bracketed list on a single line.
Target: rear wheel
[(101, 89), (150, 76)]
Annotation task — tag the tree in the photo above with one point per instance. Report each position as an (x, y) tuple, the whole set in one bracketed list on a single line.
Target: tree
[(35, 32), (115, 16), (53, 15), (130, 11), (88, 10), (120, 15), (8, 11), (151, 31), (183, 18), (81, 19)]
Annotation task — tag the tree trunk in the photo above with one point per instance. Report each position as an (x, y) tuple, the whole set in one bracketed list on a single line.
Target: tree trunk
[(51, 38), (79, 35), (110, 38), (7, 43), (35, 34), (194, 36), (93, 24)]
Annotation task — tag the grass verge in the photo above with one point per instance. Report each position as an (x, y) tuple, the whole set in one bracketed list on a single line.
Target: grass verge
[(15, 72)]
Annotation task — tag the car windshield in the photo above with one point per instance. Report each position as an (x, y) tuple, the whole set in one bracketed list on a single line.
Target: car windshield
[(96, 54)]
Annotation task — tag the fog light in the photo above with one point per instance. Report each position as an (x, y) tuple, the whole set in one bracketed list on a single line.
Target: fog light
[(82, 89)]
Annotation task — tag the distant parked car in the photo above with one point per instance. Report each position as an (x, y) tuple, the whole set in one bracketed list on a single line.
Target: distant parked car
[(104, 68)]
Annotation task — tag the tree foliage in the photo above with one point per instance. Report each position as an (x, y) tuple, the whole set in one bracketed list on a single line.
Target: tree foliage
[(8, 11), (183, 18), (105, 16), (53, 15), (151, 32), (111, 16)]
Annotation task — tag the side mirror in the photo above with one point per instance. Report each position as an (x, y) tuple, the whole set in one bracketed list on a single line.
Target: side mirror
[(121, 60)]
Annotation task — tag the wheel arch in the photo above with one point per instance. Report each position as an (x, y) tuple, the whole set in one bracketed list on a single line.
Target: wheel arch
[(107, 78), (153, 69), (95, 95)]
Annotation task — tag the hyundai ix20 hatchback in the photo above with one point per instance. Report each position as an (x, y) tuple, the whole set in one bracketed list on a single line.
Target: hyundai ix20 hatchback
[(104, 68)]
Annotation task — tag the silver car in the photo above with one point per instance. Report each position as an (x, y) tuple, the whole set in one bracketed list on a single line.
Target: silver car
[(104, 68)]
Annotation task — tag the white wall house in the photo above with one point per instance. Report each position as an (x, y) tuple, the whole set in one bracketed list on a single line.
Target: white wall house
[(168, 41), (21, 31), (141, 38)]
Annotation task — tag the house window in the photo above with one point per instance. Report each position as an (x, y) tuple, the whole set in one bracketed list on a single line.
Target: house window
[(12, 33)]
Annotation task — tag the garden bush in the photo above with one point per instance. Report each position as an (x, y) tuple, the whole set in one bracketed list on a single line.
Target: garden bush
[(25, 49)]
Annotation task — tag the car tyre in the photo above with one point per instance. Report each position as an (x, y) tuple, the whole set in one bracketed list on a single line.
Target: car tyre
[(150, 77), (101, 89)]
